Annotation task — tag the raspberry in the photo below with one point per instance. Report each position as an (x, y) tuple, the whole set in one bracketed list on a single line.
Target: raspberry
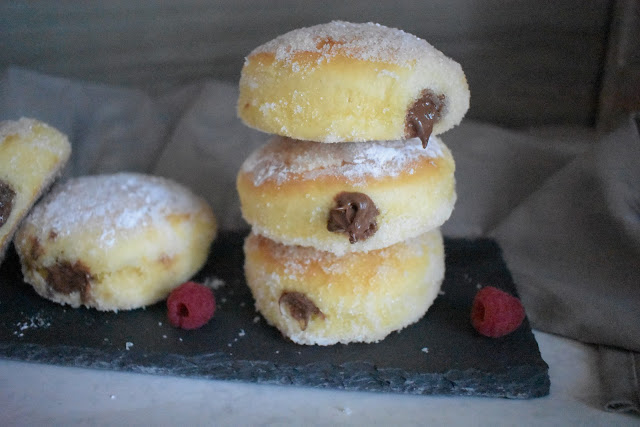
[(495, 313), (190, 306)]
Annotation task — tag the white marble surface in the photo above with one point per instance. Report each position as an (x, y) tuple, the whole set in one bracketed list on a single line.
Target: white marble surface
[(35, 394)]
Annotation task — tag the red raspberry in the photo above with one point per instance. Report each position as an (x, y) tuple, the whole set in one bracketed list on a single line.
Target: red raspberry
[(495, 313), (190, 306)]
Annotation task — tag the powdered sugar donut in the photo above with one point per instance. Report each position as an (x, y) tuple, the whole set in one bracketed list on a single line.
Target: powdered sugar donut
[(32, 155), (341, 82), (316, 297), (347, 197), (114, 242)]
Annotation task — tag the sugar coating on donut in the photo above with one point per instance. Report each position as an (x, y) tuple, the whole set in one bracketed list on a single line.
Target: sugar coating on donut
[(367, 42), (283, 158), (359, 297), (346, 82), (289, 191), (24, 128), (32, 156), (112, 204), (114, 242)]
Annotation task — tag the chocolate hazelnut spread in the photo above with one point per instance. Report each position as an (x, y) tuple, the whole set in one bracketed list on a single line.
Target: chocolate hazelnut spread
[(300, 307), (6, 201), (66, 278), (423, 114), (354, 215)]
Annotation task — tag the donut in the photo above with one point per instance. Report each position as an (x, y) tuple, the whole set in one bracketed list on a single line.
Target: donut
[(346, 197), (346, 82), (114, 242), (32, 155), (316, 297)]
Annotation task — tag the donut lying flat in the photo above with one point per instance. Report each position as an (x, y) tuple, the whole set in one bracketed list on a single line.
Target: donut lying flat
[(114, 242), (316, 297), (32, 155), (306, 193), (341, 82)]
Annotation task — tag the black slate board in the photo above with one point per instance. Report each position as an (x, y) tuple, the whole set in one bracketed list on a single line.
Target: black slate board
[(441, 354)]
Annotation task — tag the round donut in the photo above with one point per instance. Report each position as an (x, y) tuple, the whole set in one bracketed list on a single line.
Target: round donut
[(345, 82), (290, 191), (32, 156), (114, 242), (316, 297)]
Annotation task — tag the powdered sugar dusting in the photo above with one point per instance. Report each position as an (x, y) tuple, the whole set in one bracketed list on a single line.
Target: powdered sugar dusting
[(283, 157), (366, 41), (111, 203), (21, 128), (25, 129), (37, 321), (214, 283)]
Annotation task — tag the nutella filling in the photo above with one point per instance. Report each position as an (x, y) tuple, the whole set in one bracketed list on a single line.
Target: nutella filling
[(299, 306), (423, 114), (354, 215), (6, 201), (66, 278)]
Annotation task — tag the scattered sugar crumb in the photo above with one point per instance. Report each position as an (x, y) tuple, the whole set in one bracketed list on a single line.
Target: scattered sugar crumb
[(277, 351), (223, 300), (241, 333), (243, 304), (441, 292), (425, 350), (478, 286), (228, 344), (235, 340), (159, 323), (214, 283), (256, 319), (128, 345), (36, 321), (180, 339), (164, 336)]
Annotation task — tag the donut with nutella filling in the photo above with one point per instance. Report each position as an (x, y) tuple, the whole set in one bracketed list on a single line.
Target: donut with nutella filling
[(345, 82), (346, 197), (32, 155), (114, 242), (316, 297)]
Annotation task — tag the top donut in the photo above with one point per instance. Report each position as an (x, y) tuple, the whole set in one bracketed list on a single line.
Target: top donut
[(346, 82)]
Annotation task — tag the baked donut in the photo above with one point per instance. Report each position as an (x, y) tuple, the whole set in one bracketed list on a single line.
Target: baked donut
[(316, 297), (32, 155), (346, 197), (345, 82), (114, 242)]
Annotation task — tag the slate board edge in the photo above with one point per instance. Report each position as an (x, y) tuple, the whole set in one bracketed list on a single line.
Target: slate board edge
[(531, 382)]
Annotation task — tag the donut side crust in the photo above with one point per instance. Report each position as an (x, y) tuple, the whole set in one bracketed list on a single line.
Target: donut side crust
[(32, 155), (336, 93), (121, 270), (360, 297), (295, 212)]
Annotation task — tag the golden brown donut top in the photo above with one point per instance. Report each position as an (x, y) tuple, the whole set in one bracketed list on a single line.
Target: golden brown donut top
[(364, 41), (111, 203), (283, 158)]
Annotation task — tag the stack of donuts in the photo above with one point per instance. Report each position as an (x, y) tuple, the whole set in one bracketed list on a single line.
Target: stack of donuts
[(346, 199)]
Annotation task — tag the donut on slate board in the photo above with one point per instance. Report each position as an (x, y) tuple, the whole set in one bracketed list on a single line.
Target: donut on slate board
[(114, 242)]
